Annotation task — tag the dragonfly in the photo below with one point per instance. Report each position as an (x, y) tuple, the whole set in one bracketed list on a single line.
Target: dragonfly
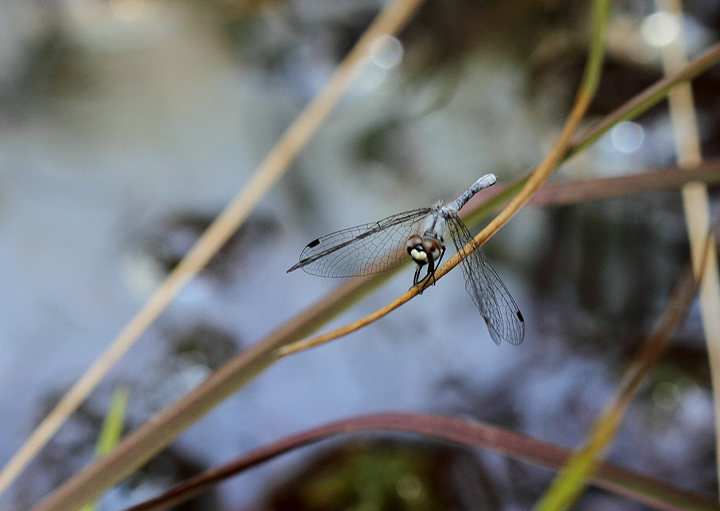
[(421, 233)]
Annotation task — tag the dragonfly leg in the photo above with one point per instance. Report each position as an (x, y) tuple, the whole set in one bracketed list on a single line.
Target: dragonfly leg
[(430, 273), (416, 278), (432, 266), (420, 282), (437, 263)]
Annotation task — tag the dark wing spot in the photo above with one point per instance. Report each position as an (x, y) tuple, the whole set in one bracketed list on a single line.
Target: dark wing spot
[(313, 243), (520, 316)]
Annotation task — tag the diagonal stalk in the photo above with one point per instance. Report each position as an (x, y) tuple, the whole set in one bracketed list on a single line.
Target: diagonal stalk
[(696, 204)]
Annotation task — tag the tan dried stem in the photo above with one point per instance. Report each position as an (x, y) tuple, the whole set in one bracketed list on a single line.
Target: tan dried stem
[(695, 202)]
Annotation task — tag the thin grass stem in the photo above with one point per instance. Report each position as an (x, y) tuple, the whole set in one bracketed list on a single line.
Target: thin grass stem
[(696, 203), (610, 477)]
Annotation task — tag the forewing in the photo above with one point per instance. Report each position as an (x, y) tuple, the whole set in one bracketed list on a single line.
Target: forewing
[(491, 297), (364, 249)]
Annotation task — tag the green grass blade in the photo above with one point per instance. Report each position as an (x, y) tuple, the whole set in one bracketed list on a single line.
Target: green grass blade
[(111, 429)]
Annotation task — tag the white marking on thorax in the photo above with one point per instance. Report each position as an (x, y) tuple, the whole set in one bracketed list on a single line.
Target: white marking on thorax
[(436, 226)]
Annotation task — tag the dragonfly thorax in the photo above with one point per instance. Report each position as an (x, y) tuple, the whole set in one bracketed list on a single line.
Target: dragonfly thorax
[(423, 250)]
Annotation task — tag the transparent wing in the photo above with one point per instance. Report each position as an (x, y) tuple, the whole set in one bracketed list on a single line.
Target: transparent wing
[(491, 297), (362, 250)]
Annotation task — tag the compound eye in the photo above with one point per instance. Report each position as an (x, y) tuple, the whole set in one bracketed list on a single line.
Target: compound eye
[(431, 248), (413, 243)]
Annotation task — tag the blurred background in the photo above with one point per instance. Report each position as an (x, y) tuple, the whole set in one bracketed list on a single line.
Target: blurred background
[(127, 125)]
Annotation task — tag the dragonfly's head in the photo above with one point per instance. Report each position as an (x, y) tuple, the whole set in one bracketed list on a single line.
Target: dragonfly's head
[(423, 250)]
